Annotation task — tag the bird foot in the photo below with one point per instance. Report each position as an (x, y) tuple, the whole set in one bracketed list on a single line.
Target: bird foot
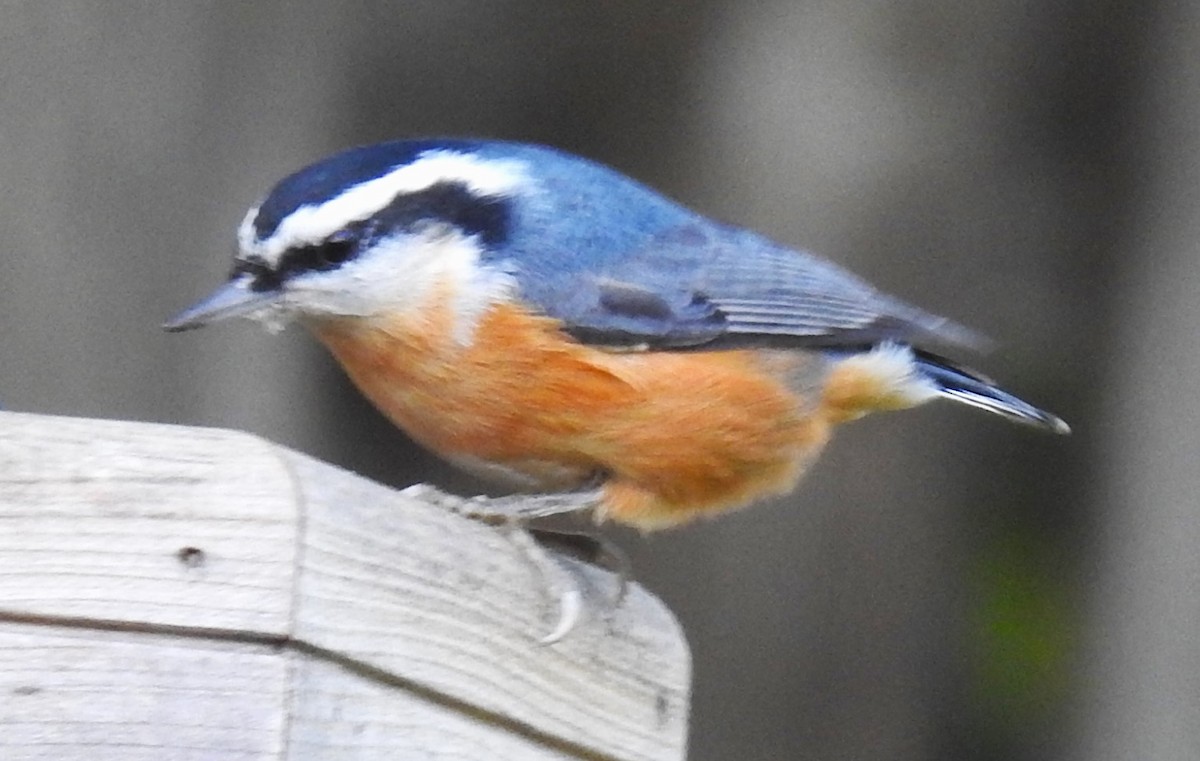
[(543, 549)]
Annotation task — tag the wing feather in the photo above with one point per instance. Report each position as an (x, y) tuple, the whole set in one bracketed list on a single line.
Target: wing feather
[(723, 287)]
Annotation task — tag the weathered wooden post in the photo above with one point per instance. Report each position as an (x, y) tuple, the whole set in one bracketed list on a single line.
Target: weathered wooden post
[(187, 593)]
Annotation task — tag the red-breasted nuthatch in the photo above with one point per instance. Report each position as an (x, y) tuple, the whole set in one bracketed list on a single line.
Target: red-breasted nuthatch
[(524, 312)]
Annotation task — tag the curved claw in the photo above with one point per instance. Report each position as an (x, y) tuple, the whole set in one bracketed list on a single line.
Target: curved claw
[(570, 607), (593, 548)]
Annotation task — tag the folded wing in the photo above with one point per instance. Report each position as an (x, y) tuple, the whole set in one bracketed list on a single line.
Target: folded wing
[(726, 288)]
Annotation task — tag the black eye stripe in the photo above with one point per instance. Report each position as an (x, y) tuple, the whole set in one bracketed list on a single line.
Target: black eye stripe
[(450, 203), (263, 278), (321, 257), (488, 217)]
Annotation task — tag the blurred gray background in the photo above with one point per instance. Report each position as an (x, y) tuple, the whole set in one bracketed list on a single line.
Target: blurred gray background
[(944, 585)]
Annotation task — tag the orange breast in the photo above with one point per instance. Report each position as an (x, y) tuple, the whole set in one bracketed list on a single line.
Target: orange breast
[(679, 434)]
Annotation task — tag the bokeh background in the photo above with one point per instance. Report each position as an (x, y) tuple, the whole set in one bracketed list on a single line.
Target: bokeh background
[(945, 585)]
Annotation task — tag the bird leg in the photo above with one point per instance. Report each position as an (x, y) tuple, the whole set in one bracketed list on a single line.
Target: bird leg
[(512, 514), (523, 507)]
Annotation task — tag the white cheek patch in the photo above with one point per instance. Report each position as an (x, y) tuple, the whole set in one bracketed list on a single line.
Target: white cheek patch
[(309, 225), (399, 276)]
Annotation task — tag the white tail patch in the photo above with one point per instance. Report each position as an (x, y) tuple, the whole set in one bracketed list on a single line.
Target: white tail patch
[(893, 367)]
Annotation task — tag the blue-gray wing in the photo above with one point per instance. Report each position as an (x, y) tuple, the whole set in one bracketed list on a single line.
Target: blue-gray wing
[(727, 288)]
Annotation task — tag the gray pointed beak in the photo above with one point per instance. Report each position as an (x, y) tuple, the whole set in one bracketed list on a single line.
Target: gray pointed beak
[(234, 299)]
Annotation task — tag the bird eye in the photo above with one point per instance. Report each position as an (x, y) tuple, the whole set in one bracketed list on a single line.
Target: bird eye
[(317, 257), (335, 252)]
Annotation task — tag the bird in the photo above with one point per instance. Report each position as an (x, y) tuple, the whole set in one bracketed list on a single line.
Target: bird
[(541, 319)]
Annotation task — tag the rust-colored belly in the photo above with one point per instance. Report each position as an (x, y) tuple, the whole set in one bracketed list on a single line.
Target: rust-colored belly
[(677, 434)]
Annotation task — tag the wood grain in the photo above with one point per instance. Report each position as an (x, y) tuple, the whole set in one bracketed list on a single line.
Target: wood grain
[(309, 591)]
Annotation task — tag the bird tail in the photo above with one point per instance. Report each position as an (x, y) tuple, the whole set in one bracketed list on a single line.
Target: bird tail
[(970, 388)]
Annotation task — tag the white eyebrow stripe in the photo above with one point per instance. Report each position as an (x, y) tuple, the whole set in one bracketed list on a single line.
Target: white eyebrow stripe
[(312, 224)]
